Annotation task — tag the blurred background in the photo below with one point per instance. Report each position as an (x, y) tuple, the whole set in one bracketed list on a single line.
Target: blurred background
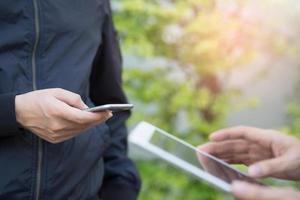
[(194, 66)]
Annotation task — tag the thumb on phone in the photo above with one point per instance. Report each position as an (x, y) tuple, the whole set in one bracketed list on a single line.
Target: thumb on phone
[(70, 98)]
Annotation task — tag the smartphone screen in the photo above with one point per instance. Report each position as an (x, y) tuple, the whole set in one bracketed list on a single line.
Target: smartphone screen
[(197, 158)]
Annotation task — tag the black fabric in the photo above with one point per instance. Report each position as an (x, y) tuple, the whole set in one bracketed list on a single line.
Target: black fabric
[(115, 191), (106, 87), (8, 123), (77, 50), (106, 76), (120, 174)]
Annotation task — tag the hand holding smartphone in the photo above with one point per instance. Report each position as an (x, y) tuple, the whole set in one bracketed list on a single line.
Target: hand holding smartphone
[(111, 107)]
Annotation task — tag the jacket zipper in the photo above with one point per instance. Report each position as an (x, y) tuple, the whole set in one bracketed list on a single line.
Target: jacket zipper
[(34, 85)]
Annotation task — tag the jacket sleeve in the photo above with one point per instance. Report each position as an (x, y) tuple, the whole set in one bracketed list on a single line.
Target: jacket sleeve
[(121, 178), (8, 123)]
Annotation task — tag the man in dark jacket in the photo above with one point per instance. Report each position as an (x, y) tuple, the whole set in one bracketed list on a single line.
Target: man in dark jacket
[(49, 147)]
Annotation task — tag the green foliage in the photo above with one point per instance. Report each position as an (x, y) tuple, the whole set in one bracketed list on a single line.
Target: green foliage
[(294, 115), (174, 105), (168, 183), (194, 33)]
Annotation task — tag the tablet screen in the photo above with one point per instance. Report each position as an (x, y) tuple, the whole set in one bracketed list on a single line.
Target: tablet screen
[(197, 158)]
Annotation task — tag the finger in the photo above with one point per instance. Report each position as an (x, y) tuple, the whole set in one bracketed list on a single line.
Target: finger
[(247, 133), (213, 167), (237, 151), (65, 132), (226, 148), (253, 156), (66, 135), (57, 137), (83, 117), (239, 132), (96, 118), (41, 133), (47, 136), (268, 167), (246, 191), (233, 154), (69, 98), (245, 159)]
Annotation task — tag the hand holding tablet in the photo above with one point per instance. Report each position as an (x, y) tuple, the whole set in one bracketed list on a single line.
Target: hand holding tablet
[(187, 157), (276, 155)]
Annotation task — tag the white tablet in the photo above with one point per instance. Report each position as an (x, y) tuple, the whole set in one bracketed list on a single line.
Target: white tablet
[(187, 157)]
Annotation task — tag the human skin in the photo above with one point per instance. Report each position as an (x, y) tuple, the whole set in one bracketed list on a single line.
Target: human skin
[(55, 115), (246, 191), (266, 152)]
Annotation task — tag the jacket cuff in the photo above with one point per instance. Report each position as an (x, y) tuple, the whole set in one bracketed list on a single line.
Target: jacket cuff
[(118, 191), (8, 122)]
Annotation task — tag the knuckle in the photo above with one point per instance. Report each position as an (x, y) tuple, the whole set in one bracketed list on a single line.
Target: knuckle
[(51, 139), (55, 127), (77, 97), (54, 141), (80, 120), (55, 138), (54, 113)]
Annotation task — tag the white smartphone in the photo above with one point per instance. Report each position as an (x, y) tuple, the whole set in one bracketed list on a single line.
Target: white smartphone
[(111, 107), (187, 157)]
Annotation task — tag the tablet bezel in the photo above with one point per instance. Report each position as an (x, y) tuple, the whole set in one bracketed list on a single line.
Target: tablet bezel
[(141, 135)]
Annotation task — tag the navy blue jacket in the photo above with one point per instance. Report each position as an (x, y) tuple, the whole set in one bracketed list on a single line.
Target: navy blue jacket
[(68, 44)]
